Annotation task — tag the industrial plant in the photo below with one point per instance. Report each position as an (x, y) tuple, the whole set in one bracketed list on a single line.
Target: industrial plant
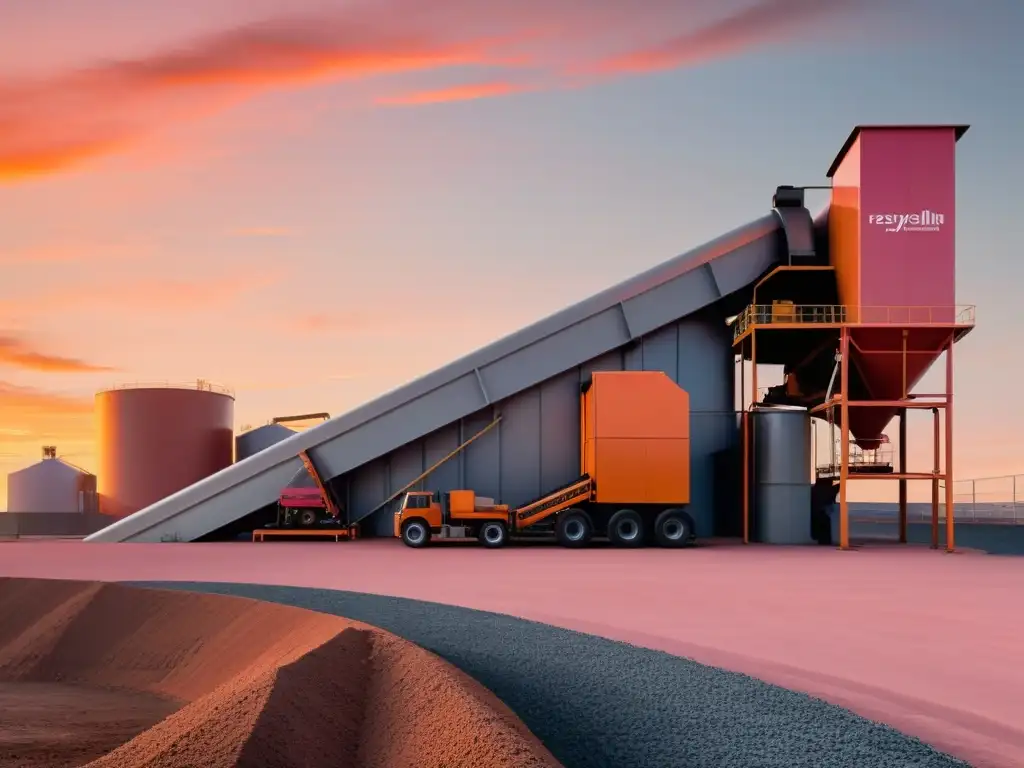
[(854, 304)]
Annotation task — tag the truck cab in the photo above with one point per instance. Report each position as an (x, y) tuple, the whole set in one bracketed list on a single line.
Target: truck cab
[(419, 504)]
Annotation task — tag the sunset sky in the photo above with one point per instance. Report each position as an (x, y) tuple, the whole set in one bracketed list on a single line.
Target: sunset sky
[(314, 201)]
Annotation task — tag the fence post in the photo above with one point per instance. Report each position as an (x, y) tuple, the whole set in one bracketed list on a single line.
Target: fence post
[(974, 501)]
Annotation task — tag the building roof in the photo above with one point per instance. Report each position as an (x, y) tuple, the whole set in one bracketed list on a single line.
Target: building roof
[(42, 466), (959, 131)]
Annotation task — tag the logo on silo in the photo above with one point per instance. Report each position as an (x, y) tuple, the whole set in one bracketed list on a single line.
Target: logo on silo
[(925, 221)]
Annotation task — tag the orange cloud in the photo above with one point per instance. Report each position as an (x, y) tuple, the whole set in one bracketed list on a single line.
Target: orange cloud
[(765, 23), (51, 125), (55, 124), (15, 353), (33, 417), (262, 232), (466, 92), (145, 295), (73, 253)]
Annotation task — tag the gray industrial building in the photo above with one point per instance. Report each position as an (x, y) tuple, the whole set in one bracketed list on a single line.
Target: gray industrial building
[(671, 318)]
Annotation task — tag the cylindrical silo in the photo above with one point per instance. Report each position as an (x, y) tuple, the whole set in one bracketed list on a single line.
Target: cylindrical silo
[(782, 475), (50, 485), (255, 440), (156, 440)]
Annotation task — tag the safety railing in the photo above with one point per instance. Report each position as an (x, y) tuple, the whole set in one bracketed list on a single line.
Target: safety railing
[(981, 501), (782, 313), (201, 385), (877, 461), (995, 499)]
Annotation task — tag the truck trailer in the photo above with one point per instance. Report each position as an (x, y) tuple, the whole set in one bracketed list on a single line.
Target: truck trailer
[(633, 489)]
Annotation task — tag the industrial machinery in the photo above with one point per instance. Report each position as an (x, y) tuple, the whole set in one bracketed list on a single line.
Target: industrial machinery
[(854, 305), (307, 503), (635, 456)]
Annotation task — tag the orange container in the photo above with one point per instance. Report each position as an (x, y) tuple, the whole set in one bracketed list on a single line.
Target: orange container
[(636, 438), (461, 502)]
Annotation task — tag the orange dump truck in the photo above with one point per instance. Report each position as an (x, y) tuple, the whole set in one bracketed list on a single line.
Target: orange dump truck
[(635, 483)]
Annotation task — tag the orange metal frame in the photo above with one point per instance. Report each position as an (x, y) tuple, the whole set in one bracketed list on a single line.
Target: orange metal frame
[(338, 534), (941, 471)]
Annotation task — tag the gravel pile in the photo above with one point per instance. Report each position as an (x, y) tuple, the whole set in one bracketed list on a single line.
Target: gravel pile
[(106, 676), (598, 703)]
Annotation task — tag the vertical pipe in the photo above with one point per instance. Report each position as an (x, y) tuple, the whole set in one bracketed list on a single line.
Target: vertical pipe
[(753, 365), (902, 468), (935, 479), (950, 538), (743, 376), (844, 433), (751, 505), (746, 476), (903, 361)]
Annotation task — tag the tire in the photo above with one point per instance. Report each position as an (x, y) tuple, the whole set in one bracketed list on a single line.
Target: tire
[(574, 529), (415, 534), (307, 518), (493, 534), (673, 528), (626, 529)]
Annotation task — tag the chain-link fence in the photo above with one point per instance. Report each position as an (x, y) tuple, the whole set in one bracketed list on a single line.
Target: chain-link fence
[(985, 500), (990, 499)]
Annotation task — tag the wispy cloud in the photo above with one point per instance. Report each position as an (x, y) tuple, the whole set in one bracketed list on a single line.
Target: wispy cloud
[(765, 23), (33, 417), (30, 414), (262, 232), (17, 353), (69, 253), (54, 124), (146, 295), (339, 321), (465, 92)]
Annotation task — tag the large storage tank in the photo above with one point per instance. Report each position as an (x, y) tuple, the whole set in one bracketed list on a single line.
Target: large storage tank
[(156, 440), (51, 485), (782, 475), (255, 440)]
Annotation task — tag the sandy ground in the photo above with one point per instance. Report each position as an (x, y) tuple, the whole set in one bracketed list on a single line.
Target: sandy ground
[(924, 641), (52, 725), (111, 676)]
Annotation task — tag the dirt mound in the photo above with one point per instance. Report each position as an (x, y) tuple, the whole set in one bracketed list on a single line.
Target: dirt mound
[(173, 679)]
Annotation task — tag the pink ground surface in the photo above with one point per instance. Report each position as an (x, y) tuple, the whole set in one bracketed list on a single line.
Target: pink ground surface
[(927, 642)]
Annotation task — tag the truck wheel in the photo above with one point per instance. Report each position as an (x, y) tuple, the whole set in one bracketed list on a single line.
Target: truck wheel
[(415, 533), (673, 528), (493, 535), (626, 529), (574, 529)]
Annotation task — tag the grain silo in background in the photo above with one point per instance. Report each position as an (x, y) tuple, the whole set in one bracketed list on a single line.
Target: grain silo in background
[(252, 442), (154, 440), (51, 486)]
